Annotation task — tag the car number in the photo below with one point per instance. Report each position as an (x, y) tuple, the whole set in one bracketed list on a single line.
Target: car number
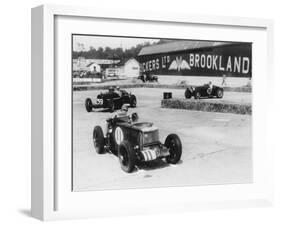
[(150, 154), (119, 136)]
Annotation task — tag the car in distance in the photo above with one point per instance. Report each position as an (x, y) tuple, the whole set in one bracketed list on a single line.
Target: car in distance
[(148, 77), (151, 78), (135, 142), (207, 91), (113, 99)]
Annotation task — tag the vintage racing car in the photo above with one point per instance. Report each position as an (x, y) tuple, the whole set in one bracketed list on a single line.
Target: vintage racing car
[(206, 90), (147, 77), (113, 99), (135, 142)]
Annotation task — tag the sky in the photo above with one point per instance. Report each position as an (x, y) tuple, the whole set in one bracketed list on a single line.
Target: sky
[(82, 42)]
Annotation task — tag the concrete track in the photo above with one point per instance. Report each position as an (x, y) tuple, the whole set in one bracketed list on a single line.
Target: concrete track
[(216, 146)]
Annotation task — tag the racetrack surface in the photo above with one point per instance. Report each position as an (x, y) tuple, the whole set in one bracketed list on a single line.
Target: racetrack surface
[(173, 80), (216, 146)]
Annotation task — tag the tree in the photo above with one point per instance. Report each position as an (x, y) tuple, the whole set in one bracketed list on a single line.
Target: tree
[(115, 53)]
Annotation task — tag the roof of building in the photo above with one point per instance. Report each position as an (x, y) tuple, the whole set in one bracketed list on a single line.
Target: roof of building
[(98, 61), (178, 46), (90, 64), (126, 60), (122, 62)]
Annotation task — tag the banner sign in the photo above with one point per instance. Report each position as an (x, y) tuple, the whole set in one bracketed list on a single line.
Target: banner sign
[(232, 60)]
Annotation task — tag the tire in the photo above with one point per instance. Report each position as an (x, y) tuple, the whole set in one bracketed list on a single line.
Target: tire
[(98, 140), (173, 143), (209, 91), (187, 94), (133, 101), (126, 156), (111, 106), (88, 105), (197, 95), (219, 93)]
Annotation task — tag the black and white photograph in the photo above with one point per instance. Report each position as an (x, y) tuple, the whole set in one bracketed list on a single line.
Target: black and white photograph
[(155, 112)]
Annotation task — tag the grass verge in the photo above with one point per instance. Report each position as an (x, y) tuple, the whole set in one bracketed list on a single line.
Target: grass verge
[(207, 105)]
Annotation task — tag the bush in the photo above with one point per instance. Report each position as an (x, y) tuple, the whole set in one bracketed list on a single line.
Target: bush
[(210, 106)]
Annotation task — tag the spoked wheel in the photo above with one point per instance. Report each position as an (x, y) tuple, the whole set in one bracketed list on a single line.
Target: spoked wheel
[(88, 105), (99, 140), (126, 157), (133, 101), (219, 93), (173, 143)]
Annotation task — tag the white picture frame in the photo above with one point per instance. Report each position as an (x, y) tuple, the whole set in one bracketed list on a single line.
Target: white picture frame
[(47, 186)]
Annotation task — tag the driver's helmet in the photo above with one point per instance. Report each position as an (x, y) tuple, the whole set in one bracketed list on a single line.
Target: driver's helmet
[(123, 111), (125, 107)]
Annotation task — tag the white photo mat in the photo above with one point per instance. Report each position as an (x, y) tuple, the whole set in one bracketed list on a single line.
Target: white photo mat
[(59, 201)]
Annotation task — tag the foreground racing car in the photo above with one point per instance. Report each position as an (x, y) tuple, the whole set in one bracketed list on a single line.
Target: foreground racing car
[(206, 90), (135, 142), (113, 99)]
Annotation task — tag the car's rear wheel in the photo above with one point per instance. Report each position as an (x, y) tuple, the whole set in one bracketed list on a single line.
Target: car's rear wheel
[(111, 106), (88, 105), (197, 95), (98, 139), (187, 94), (133, 101), (173, 143), (126, 157), (219, 93)]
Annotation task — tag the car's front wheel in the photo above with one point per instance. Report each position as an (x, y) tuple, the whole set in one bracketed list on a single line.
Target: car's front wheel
[(126, 157), (219, 93), (173, 143), (99, 140), (88, 105)]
